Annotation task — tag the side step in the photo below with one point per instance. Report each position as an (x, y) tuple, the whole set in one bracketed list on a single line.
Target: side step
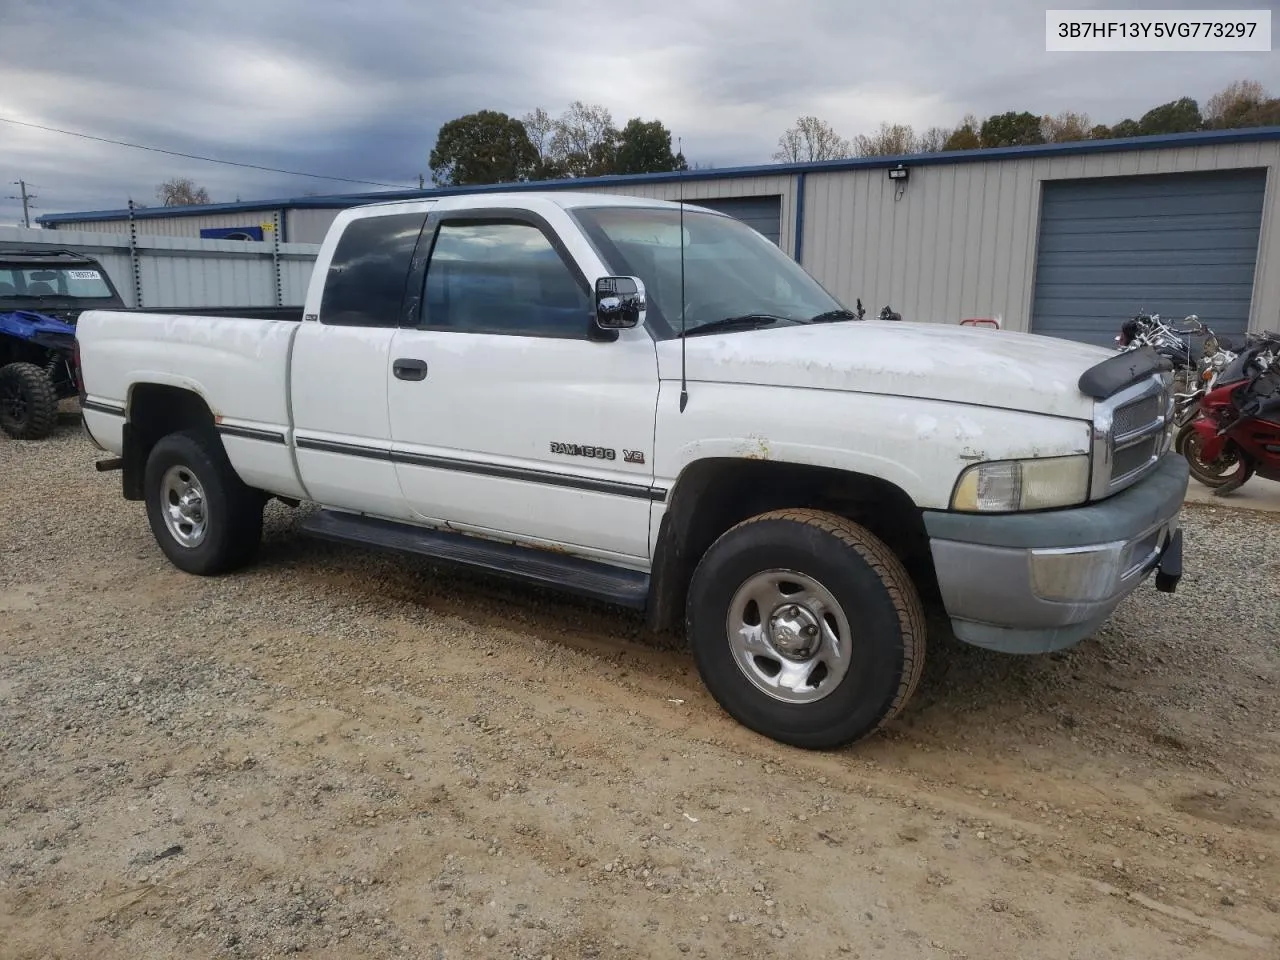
[(599, 581)]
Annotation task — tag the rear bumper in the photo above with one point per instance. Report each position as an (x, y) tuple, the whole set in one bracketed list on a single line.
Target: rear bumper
[(1032, 583)]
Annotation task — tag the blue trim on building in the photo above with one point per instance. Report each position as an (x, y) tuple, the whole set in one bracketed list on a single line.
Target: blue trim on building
[(1203, 138), (798, 240)]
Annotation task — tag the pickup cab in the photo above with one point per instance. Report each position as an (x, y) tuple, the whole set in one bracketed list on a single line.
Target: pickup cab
[(650, 404)]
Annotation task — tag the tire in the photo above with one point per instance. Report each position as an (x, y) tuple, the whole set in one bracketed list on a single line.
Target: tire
[(28, 402), (1180, 438), (1232, 468), (216, 523), (857, 589)]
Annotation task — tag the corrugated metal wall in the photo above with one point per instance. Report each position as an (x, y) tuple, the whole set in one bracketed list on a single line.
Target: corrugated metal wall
[(961, 240), (181, 226), (182, 272), (308, 226)]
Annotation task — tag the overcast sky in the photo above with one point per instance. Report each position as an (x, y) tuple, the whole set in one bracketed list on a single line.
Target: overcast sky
[(359, 89)]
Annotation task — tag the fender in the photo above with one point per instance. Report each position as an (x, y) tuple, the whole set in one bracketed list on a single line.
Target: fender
[(1211, 444)]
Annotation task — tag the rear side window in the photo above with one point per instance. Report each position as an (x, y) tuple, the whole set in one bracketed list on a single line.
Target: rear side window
[(366, 279)]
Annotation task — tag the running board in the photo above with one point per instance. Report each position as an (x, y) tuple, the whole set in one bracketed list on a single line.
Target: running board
[(599, 581)]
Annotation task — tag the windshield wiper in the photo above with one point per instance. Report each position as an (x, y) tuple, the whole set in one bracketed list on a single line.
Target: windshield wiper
[(747, 321), (832, 316)]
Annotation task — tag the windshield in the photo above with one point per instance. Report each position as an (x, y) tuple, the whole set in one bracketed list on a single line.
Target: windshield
[(730, 270), (73, 283)]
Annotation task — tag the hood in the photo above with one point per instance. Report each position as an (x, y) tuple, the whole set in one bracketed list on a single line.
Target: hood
[(993, 368), (28, 324)]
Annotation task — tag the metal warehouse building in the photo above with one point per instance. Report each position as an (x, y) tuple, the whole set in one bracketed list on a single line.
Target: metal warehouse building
[(1061, 239)]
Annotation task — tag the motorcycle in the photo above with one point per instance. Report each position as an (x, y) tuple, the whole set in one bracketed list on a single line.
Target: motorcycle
[(1237, 433), (1193, 376)]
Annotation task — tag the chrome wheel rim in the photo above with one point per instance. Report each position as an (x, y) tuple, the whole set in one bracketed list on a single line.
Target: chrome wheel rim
[(183, 502), (789, 636)]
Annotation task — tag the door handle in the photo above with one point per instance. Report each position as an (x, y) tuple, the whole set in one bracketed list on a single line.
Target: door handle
[(409, 369)]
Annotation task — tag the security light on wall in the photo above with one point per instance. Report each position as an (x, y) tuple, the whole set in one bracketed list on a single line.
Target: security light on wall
[(898, 177)]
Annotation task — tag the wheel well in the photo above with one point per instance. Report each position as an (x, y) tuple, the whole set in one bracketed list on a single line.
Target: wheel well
[(13, 350), (713, 495), (155, 411)]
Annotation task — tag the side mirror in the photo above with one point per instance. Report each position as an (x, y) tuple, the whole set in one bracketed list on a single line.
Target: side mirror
[(620, 302)]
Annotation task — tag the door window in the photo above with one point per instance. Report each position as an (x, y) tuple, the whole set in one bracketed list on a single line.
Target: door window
[(502, 277)]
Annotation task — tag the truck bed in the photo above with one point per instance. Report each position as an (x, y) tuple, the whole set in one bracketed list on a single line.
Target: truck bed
[(238, 364)]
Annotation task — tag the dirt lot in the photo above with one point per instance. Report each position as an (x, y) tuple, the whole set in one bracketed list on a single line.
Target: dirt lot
[(342, 754)]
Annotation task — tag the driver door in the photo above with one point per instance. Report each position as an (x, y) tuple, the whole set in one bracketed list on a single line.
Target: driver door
[(507, 417)]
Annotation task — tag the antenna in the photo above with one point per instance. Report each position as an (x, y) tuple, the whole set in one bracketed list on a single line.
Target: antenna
[(684, 381)]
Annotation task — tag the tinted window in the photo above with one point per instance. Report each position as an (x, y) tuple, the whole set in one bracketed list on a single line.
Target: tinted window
[(502, 277), (366, 279)]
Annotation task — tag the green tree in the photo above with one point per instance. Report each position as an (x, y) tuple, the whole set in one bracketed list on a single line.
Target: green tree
[(1126, 128), (1100, 132), (1011, 129), (483, 147), (645, 147), (1176, 116)]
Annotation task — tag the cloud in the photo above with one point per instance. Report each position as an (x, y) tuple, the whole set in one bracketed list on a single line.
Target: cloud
[(332, 87)]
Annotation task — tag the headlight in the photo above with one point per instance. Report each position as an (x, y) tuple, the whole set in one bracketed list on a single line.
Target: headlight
[(1005, 486)]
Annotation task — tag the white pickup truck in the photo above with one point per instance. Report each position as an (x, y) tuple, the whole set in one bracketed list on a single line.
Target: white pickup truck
[(654, 406)]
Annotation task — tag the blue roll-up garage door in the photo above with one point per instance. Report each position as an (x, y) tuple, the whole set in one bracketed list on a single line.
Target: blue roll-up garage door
[(1172, 244), (762, 213)]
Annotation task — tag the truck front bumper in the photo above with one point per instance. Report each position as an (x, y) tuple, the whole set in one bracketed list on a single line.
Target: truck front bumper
[(1037, 582)]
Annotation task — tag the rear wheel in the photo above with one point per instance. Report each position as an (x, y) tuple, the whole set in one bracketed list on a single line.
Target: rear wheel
[(203, 516), (806, 628), (28, 402)]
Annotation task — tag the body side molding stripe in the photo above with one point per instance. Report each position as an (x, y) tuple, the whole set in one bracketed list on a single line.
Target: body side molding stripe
[(487, 469)]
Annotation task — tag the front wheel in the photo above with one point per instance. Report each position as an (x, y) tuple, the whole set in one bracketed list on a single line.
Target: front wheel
[(1232, 467), (806, 628), (203, 516)]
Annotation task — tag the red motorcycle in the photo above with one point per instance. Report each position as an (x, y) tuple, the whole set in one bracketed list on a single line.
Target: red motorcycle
[(1237, 433)]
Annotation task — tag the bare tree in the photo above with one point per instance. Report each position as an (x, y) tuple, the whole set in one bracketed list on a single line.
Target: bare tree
[(1066, 126), (540, 127), (891, 140), (811, 139), (1228, 105), (584, 140), (933, 140), (181, 192)]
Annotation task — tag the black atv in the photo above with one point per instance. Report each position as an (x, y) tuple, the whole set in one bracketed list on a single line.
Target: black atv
[(42, 294)]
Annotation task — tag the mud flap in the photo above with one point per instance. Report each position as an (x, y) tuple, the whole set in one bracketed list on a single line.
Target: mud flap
[(1169, 566)]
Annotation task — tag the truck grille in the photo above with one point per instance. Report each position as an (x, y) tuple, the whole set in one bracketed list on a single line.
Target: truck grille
[(1138, 437), (1134, 416)]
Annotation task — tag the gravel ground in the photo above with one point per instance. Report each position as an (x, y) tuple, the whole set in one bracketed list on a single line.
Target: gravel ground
[(342, 754)]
